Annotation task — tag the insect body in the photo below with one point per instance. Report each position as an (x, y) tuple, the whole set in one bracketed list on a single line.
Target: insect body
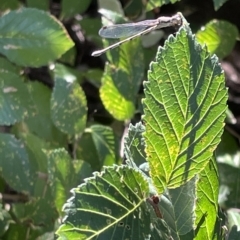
[(133, 30)]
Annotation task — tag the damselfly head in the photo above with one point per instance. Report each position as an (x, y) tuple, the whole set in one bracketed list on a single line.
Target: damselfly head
[(177, 20)]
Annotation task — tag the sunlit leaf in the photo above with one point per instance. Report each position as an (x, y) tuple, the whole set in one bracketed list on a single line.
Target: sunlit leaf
[(207, 201), (184, 110), (219, 36), (30, 37), (121, 80), (116, 101), (122, 76), (110, 205)]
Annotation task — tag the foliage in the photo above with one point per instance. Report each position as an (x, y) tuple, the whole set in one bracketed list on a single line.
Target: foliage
[(71, 165)]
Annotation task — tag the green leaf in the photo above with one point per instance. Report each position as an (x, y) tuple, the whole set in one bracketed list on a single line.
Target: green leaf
[(8, 4), (62, 71), (38, 163), (230, 180), (218, 4), (234, 233), (69, 56), (134, 8), (6, 66), (228, 155), (220, 228), (121, 107), (14, 105), (47, 236), (94, 76), (184, 110), (121, 80), (228, 150), (230, 118), (110, 205), (90, 26), (152, 39), (207, 204), (160, 230), (151, 4), (103, 144), (68, 105), (16, 231), (134, 144), (183, 196), (73, 7), (60, 175), (82, 170), (40, 122), (114, 6), (43, 4), (219, 36), (40, 212), (5, 219), (233, 218), (15, 165), (177, 208), (30, 37), (123, 75), (35, 146)]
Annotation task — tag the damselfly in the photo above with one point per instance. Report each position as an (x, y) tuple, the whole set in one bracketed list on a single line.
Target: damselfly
[(133, 30)]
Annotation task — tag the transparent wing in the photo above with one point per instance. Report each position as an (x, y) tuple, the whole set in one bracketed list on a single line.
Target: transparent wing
[(125, 30)]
